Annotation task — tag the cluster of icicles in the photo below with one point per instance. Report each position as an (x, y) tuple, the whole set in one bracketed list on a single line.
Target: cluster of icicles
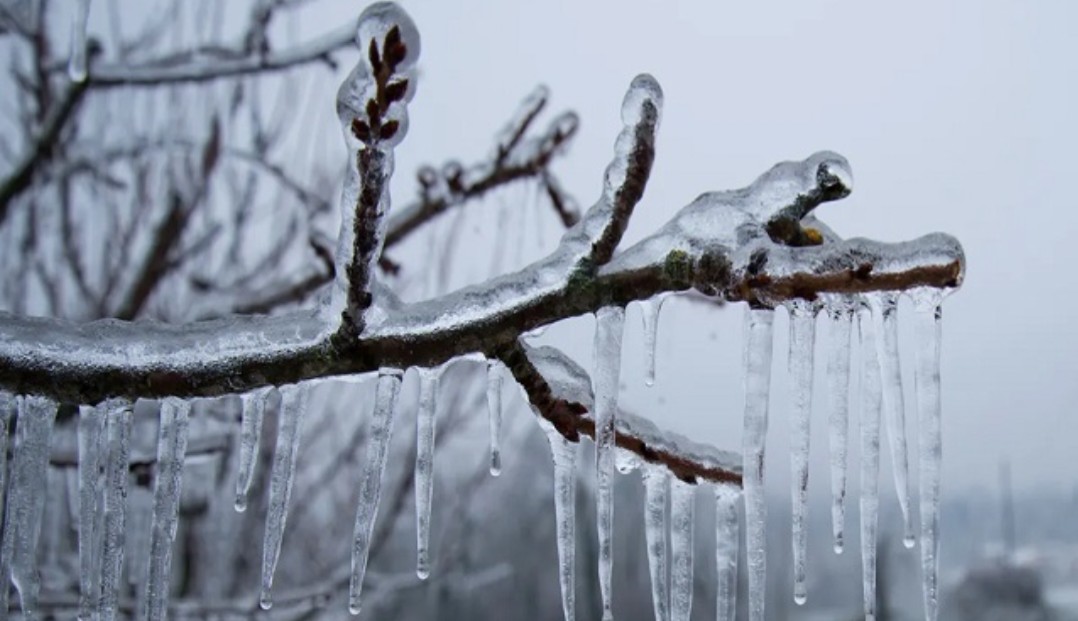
[(104, 435)]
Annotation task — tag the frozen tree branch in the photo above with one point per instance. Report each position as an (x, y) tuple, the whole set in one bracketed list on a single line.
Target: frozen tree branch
[(749, 244)]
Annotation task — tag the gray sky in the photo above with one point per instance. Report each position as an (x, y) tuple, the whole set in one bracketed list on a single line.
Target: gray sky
[(956, 117)]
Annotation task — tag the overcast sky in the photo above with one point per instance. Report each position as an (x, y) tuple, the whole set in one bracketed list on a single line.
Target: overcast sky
[(956, 117)]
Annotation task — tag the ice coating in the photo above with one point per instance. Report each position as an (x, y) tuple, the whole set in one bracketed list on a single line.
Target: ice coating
[(112, 562), (650, 309), (372, 107), (26, 498), (885, 318), (758, 352), (839, 327), (801, 364), (424, 466), (254, 408), (640, 112), (681, 541), (657, 534), (294, 399), (564, 455), (171, 448), (609, 326), (514, 129), (733, 218), (370, 490), (727, 543), (928, 321), (76, 66), (871, 406), (644, 97), (90, 431), (494, 409), (569, 381)]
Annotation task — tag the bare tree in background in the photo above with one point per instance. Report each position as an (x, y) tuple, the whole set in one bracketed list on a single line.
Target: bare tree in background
[(156, 179)]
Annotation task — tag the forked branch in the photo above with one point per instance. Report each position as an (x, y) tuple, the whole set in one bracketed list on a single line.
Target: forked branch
[(748, 245)]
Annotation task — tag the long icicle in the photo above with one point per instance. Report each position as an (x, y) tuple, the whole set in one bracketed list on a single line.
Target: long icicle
[(609, 327), (759, 332), (168, 483), (564, 455), (424, 466), (840, 324), (112, 562), (370, 491), (656, 533), (90, 427), (929, 317), (26, 498), (254, 409), (494, 408), (682, 497), (801, 368), (885, 320), (9, 404), (650, 312), (727, 544), (289, 425), (871, 404)]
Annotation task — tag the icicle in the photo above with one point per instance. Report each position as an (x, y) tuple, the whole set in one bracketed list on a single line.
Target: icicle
[(656, 492), (885, 317), (76, 67), (802, 350), (424, 466), (254, 408), (681, 524), (119, 442), (651, 308), (726, 549), (168, 484), (370, 491), (494, 407), (929, 315), (564, 453), (871, 404), (758, 350), (8, 406), (26, 498), (91, 426), (289, 421), (840, 324), (609, 325)]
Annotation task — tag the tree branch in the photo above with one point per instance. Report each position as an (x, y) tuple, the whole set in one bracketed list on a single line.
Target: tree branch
[(42, 150), (106, 75), (749, 244)]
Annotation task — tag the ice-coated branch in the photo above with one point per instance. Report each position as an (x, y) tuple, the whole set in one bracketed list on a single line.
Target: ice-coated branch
[(372, 107), (560, 392), (602, 226), (750, 244)]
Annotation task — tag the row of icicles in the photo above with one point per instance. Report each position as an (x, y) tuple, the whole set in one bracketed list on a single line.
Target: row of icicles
[(104, 434), (881, 392)]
